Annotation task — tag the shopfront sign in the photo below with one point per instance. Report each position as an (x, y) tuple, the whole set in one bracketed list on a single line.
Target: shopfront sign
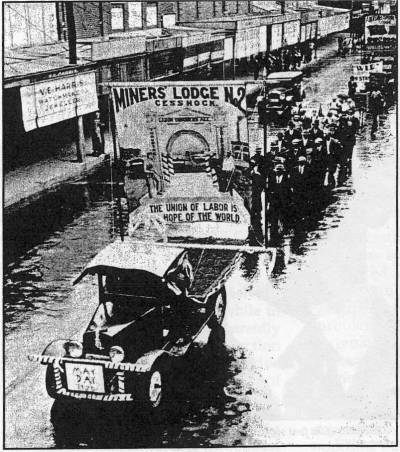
[(291, 32), (361, 73), (276, 37), (55, 100), (332, 24)]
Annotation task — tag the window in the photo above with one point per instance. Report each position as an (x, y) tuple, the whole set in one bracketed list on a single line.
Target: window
[(151, 16), (117, 17), (168, 20), (135, 15)]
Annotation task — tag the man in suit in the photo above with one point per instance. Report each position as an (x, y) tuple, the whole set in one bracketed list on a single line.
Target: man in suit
[(320, 162), (298, 182), (332, 150), (294, 153), (315, 131), (279, 148), (306, 141), (291, 134), (279, 189)]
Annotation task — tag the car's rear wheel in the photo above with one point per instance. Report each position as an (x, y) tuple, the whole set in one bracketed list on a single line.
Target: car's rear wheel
[(219, 309)]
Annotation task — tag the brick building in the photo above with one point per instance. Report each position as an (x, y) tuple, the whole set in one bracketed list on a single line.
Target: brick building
[(128, 41)]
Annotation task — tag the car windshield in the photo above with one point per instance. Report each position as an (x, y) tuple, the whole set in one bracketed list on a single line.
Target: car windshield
[(126, 296)]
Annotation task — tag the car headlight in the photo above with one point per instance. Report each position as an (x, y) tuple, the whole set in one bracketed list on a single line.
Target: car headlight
[(73, 349), (282, 97), (117, 354)]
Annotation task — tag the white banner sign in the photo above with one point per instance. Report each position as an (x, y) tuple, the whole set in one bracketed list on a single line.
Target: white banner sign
[(276, 37), (333, 24), (291, 32), (247, 42), (263, 39), (55, 100), (194, 210), (362, 72), (380, 29)]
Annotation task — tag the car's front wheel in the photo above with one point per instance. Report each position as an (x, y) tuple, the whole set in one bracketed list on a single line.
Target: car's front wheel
[(152, 387), (219, 309), (50, 382)]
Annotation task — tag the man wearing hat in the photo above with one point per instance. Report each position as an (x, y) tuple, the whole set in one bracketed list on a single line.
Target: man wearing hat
[(257, 159), (298, 124), (306, 141), (320, 162), (257, 186), (295, 152), (315, 131), (279, 188), (278, 147), (290, 134), (333, 150), (298, 181)]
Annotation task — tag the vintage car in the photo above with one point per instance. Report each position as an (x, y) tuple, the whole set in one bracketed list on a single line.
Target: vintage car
[(283, 90), (141, 324)]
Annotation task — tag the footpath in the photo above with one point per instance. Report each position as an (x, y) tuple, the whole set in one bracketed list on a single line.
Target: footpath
[(26, 184)]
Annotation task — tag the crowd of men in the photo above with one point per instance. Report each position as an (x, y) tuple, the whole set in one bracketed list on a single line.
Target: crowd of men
[(314, 152)]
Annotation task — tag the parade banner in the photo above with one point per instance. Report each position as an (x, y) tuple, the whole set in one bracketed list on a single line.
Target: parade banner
[(361, 73), (380, 30), (183, 120)]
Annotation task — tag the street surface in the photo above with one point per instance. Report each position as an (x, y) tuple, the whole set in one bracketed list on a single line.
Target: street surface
[(309, 356)]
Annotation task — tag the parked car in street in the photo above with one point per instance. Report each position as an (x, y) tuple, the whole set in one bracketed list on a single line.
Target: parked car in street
[(283, 90)]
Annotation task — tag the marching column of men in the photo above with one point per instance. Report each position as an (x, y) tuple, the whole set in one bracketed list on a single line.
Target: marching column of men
[(313, 153)]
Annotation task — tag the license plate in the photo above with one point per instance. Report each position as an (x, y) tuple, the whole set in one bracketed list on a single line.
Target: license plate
[(84, 377)]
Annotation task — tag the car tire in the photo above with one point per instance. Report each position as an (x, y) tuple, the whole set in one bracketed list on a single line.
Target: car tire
[(50, 382), (152, 387), (219, 309)]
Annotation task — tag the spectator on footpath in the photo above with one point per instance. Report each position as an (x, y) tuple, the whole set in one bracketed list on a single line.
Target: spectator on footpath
[(352, 85), (376, 103), (228, 168), (98, 135)]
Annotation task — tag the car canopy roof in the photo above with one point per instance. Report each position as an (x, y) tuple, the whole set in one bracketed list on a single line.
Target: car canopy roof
[(284, 76), (127, 255)]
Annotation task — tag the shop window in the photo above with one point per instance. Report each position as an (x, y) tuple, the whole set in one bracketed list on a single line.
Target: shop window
[(135, 17), (117, 17), (151, 15)]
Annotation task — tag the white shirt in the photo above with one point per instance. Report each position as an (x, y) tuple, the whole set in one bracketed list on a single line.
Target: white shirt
[(279, 178), (228, 164)]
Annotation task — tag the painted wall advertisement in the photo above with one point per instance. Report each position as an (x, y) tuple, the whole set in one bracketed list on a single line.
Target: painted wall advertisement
[(180, 119), (58, 99), (380, 29), (362, 73)]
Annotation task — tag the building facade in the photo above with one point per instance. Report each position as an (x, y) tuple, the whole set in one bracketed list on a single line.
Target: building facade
[(130, 41)]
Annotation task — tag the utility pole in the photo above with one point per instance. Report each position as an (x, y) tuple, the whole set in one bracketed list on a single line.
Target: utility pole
[(69, 9), (266, 166), (282, 4), (80, 136)]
